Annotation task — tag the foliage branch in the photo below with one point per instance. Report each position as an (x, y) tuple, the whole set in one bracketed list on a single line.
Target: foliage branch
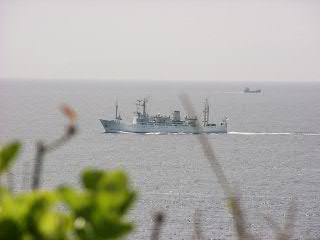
[(97, 211)]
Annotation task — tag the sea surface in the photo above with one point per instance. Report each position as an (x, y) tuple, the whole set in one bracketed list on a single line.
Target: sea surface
[(271, 154)]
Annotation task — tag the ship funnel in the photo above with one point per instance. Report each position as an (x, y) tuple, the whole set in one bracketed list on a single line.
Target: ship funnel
[(176, 116)]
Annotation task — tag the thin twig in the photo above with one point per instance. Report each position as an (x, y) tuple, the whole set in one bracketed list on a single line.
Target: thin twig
[(273, 224), (290, 219), (25, 175), (207, 149), (286, 232), (233, 201), (43, 149), (38, 165), (197, 231), (158, 222)]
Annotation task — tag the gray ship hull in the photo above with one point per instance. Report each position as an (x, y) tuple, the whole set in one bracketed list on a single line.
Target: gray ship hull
[(113, 126)]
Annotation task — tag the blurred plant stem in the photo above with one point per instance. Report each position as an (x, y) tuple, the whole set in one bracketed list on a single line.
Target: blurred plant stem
[(197, 231), (43, 149), (232, 199), (158, 220)]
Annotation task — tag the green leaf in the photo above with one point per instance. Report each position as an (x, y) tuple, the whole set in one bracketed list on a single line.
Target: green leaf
[(91, 178), (96, 212), (8, 154), (127, 204), (77, 201), (9, 229)]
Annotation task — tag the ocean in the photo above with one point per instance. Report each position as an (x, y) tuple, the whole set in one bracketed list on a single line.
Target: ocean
[(271, 154)]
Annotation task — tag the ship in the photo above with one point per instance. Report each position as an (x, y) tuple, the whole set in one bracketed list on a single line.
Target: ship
[(144, 123), (248, 90)]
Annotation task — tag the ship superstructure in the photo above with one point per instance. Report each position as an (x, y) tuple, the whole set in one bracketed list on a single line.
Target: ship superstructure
[(248, 90), (143, 123)]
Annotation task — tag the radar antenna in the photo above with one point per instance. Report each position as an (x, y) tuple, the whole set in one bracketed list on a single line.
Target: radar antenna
[(142, 103)]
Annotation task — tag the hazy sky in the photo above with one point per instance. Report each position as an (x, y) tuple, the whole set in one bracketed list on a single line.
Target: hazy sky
[(258, 40)]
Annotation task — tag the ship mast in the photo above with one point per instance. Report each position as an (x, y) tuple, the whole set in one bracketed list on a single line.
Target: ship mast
[(142, 103), (206, 113), (118, 117), (144, 106), (117, 109)]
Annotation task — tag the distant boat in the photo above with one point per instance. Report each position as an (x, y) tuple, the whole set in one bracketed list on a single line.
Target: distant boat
[(248, 90)]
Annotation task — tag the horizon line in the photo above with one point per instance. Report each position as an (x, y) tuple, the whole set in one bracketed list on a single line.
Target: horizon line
[(106, 80)]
